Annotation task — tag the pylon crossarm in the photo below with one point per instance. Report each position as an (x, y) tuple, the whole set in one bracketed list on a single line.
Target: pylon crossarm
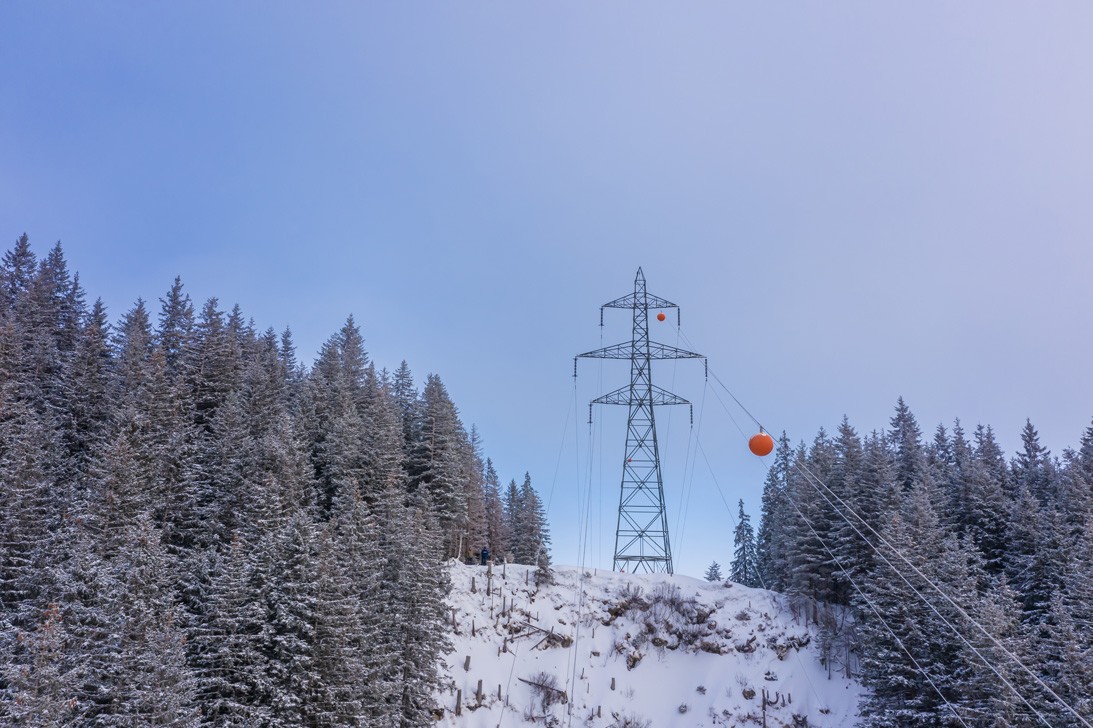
[(663, 351), (622, 396), (631, 300), (626, 350)]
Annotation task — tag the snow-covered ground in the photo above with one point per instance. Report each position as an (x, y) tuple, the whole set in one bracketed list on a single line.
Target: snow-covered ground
[(659, 650)]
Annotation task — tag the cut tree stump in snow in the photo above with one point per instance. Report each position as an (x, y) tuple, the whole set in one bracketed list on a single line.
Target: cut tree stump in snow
[(474, 589), (459, 702), (478, 693), (467, 664), (612, 683)]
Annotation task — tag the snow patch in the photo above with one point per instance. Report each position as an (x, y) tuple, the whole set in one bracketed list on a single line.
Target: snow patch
[(604, 649)]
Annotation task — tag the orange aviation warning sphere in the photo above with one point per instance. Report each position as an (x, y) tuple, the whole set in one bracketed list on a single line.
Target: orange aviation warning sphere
[(761, 444), (661, 316)]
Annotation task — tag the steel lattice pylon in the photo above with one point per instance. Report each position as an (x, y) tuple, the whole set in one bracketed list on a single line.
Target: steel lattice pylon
[(641, 536)]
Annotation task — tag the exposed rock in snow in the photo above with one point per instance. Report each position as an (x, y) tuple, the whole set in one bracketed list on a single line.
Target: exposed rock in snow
[(602, 649)]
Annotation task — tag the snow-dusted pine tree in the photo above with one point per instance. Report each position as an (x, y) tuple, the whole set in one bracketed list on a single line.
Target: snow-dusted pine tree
[(772, 541), (713, 572), (496, 533), (436, 465), (743, 569)]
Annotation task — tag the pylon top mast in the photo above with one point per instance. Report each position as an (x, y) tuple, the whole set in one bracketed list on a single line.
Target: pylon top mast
[(641, 536)]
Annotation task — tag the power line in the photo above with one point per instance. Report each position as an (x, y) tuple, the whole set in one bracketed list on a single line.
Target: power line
[(876, 612), (803, 469), (819, 486), (732, 519)]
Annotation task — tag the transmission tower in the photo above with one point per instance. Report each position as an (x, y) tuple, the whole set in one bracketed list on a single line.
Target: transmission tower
[(641, 536)]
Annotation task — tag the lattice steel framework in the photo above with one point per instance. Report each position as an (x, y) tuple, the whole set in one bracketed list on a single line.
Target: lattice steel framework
[(641, 536)]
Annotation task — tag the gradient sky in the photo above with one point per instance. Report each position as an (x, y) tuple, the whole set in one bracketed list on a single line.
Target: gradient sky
[(851, 201)]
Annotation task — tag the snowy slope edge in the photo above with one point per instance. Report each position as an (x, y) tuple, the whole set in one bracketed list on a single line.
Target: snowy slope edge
[(648, 650)]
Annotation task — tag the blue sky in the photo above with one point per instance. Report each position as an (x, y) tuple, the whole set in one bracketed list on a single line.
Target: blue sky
[(851, 202)]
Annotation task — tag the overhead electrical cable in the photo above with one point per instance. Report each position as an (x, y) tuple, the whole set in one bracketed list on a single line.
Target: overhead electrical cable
[(819, 486), (570, 411), (876, 612), (810, 477), (732, 519)]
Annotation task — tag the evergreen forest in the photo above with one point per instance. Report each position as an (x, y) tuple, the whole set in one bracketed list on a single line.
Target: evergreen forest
[(197, 529), (956, 584)]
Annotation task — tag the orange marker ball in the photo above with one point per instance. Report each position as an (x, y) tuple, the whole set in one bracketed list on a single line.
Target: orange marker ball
[(661, 316), (761, 444)]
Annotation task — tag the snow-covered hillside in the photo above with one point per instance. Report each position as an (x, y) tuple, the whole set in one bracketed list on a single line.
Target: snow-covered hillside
[(654, 650)]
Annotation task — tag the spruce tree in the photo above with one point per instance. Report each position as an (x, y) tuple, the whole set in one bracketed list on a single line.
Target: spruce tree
[(133, 347), (229, 657), (28, 515), (987, 504), (990, 456), (514, 522), (1065, 647), (1085, 454), (497, 535), (713, 572), (809, 570), (525, 520), (436, 465), (1032, 559), (217, 369), (901, 693), (90, 410), (338, 407), (175, 334), (743, 569), (291, 611), (407, 400), (476, 534), (152, 683), (1032, 468), (535, 542), (85, 589), (383, 449), (407, 613), (873, 495), (17, 270), (905, 440), (771, 543), (338, 653), (844, 483)]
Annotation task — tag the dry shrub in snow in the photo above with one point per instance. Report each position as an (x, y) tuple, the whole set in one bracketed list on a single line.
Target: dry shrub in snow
[(629, 720)]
